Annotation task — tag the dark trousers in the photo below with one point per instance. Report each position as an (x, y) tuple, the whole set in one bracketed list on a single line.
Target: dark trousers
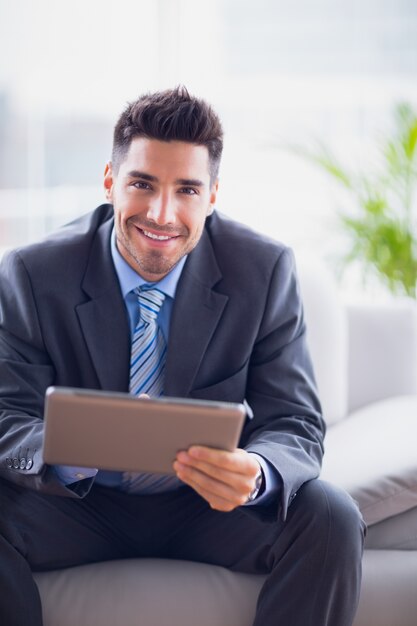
[(313, 558)]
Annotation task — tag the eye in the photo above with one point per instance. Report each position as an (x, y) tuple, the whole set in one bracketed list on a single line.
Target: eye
[(140, 184), (189, 191)]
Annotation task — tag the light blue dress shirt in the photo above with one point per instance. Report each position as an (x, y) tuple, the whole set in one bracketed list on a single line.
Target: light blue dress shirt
[(130, 280)]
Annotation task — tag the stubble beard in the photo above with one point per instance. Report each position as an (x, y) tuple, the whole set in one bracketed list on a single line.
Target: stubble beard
[(153, 263)]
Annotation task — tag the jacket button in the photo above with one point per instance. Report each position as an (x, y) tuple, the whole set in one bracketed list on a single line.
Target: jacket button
[(9, 462), (16, 463), (29, 464), (22, 463)]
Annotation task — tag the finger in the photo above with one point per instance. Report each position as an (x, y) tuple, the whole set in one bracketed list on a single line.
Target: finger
[(225, 491), (222, 499), (216, 502), (242, 483), (236, 461)]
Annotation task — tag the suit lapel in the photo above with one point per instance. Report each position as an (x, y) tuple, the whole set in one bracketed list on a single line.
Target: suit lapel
[(103, 318), (196, 313), (195, 316)]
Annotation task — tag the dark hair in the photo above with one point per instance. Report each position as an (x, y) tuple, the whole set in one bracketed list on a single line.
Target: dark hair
[(171, 115)]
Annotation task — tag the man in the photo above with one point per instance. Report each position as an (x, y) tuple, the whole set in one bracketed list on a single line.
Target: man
[(227, 324)]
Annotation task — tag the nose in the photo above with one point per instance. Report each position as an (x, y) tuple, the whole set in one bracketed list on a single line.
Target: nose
[(161, 209)]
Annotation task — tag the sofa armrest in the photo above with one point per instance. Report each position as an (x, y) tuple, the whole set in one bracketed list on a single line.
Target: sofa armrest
[(382, 359)]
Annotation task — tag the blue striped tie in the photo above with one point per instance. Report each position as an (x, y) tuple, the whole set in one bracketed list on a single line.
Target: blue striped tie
[(147, 362), (147, 369)]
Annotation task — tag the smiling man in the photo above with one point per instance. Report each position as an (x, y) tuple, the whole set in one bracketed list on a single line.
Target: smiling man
[(158, 293), (159, 217)]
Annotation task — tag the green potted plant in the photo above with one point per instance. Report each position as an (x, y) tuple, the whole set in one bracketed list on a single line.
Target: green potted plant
[(382, 229)]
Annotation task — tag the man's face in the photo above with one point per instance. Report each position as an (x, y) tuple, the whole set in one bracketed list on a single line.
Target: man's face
[(161, 197)]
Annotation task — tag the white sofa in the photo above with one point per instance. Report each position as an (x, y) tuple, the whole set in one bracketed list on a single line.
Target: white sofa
[(366, 366)]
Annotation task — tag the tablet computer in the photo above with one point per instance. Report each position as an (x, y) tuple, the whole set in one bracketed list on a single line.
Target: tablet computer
[(118, 431)]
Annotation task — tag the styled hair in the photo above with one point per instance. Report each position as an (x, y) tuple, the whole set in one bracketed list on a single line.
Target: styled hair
[(170, 115)]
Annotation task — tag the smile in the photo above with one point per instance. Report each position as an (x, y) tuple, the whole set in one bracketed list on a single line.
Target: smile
[(157, 237)]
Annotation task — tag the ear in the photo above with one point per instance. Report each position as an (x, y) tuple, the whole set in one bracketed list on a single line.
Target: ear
[(108, 182), (213, 197)]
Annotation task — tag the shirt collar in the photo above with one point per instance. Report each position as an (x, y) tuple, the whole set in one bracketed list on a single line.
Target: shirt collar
[(129, 279)]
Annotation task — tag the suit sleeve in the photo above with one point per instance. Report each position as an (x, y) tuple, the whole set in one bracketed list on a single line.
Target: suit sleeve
[(25, 373), (287, 428)]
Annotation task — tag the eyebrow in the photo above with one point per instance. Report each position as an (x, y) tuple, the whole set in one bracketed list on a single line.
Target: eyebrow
[(143, 175), (192, 182)]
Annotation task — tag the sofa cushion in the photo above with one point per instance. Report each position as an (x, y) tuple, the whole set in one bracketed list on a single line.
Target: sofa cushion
[(148, 592), (388, 594), (151, 592), (372, 454), (395, 533)]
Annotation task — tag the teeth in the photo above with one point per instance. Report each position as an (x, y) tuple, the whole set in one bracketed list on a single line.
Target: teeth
[(159, 237)]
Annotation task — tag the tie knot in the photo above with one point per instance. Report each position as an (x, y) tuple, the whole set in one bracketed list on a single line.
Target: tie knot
[(150, 302)]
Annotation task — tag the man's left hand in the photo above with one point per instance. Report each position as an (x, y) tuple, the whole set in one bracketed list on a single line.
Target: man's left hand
[(224, 479)]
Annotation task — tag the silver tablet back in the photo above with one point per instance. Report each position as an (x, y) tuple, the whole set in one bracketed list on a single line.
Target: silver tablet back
[(117, 431)]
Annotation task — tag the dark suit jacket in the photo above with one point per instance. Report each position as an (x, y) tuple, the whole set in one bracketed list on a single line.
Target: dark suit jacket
[(237, 334)]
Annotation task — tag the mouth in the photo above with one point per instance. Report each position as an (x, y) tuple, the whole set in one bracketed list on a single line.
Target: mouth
[(156, 237)]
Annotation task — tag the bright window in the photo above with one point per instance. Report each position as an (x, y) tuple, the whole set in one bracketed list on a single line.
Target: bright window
[(278, 73)]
